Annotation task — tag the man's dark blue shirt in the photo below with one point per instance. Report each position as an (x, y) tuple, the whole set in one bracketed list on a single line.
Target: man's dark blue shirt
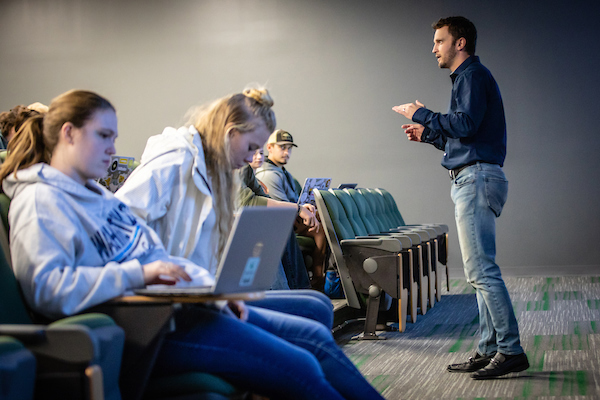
[(474, 130)]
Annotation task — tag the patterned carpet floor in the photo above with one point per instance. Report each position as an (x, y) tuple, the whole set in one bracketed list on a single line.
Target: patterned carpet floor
[(559, 321)]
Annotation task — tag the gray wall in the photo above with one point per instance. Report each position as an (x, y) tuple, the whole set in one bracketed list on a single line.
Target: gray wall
[(335, 69)]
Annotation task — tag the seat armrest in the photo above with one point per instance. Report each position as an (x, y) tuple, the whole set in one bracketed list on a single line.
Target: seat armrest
[(436, 228), (68, 343), (440, 228), (430, 231), (423, 234), (25, 333), (382, 243), (415, 239), (406, 240)]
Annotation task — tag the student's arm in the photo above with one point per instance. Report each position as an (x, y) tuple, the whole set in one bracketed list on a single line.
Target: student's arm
[(275, 183), (247, 198), (308, 217), (149, 189), (46, 255), (251, 193)]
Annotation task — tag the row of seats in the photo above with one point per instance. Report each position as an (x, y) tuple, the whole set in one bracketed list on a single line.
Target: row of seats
[(375, 252)]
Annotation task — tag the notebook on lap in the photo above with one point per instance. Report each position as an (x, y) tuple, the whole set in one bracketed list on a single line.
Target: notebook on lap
[(250, 258), (307, 196)]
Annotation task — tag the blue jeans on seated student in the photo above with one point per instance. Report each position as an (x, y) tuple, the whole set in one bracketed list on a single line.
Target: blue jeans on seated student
[(305, 303), (281, 282), (273, 354), (479, 193), (293, 264)]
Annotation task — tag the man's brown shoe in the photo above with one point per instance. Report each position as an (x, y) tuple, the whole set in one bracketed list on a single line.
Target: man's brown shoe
[(472, 365)]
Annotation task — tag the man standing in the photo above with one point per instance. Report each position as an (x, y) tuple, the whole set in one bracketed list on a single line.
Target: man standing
[(280, 184), (473, 137)]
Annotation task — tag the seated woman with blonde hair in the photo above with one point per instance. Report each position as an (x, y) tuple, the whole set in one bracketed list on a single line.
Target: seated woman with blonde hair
[(187, 183)]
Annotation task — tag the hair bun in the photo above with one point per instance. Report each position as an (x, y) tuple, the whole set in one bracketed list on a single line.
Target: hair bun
[(260, 95)]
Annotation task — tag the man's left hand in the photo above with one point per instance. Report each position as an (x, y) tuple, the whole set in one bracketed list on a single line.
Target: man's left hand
[(408, 109)]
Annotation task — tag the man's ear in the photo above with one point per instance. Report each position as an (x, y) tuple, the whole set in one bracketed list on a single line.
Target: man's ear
[(461, 43), (67, 132)]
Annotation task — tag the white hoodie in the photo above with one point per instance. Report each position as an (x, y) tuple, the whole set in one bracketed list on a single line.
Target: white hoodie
[(76, 246), (171, 191)]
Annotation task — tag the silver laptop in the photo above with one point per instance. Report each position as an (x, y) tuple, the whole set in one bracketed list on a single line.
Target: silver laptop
[(307, 196), (250, 258)]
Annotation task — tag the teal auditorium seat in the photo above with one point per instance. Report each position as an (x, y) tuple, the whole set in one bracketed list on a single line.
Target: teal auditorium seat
[(360, 229), (77, 357), (421, 265), (17, 370), (441, 229), (439, 250), (427, 237), (420, 273), (366, 265)]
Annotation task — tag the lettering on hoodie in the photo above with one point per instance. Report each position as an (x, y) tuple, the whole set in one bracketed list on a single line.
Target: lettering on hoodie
[(121, 238)]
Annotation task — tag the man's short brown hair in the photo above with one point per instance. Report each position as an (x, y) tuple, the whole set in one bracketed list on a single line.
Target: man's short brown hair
[(460, 27)]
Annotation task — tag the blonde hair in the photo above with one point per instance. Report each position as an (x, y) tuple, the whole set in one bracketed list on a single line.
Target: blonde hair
[(36, 139), (214, 122)]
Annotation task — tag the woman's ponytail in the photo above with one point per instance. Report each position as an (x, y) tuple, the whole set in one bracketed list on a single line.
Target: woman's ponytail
[(26, 148)]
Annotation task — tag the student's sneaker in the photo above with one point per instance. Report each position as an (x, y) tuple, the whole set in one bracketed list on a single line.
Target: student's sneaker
[(472, 365), (501, 365)]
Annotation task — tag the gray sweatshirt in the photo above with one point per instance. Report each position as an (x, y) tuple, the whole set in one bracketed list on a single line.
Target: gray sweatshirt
[(76, 246)]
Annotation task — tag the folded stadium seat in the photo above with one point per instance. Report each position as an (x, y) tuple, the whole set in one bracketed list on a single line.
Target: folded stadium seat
[(427, 236), (77, 357), (96, 344), (421, 269), (370, 266), (409, 281), (388, 224), (17, 370), (441, 229)]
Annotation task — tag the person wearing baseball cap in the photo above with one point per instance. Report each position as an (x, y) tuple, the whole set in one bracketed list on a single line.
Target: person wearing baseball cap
[(281, 185), (281, 138)]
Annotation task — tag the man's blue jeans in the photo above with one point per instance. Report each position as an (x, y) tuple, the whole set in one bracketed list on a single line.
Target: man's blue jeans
[(479, 193)]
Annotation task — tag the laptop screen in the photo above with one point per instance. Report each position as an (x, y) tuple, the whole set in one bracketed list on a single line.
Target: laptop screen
[(307, 196), (251, 256)]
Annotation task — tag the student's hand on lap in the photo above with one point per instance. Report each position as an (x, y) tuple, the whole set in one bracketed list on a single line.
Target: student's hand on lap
[(308, 218), (310, 208), (238, 307), (164, 272), (316, 227)]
